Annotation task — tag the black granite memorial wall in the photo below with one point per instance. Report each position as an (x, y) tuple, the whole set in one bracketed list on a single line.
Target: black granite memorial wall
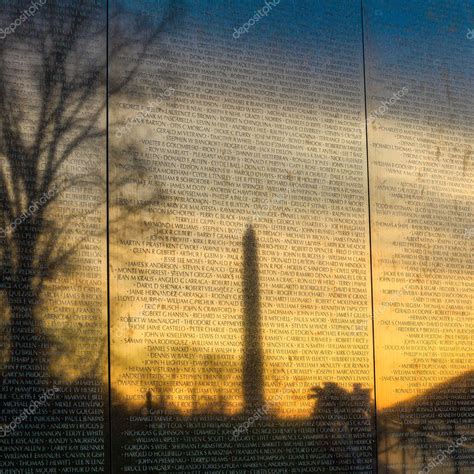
[(236, 236)]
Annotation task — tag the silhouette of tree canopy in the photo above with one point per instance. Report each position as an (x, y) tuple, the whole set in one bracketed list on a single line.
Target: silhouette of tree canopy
[(343, 420)]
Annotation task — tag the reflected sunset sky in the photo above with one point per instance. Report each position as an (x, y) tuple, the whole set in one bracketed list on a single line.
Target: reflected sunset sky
[(268, 146)]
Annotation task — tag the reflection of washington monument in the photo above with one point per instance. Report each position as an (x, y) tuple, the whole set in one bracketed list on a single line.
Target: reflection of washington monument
[(252, 365)]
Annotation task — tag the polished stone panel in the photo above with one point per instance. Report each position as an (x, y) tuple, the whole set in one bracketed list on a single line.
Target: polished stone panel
[(53, 333), (241, 315), (419, 63), (208, 224)]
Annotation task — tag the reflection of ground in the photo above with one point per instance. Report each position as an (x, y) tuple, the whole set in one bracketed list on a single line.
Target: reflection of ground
[(438, 424), (206, 443), (339, 436), (70, 433), (336, 438)]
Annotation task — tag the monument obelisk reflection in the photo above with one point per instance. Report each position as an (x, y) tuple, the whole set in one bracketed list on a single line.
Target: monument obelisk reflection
[(252, 360)]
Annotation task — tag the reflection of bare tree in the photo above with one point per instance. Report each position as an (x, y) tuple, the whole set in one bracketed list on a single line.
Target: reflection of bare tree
[(47, 120)]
